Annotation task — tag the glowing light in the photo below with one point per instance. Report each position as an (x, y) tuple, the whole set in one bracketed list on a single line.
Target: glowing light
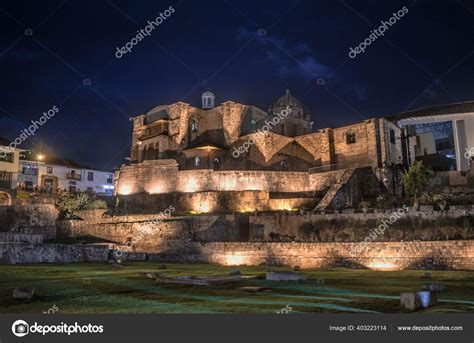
[(191, 185), (202, 206), (155, 188), (229, 184), (208, 148), (283, 205), (125, 189), (40, 157), (245, 209), (234, 260), (383, 266)]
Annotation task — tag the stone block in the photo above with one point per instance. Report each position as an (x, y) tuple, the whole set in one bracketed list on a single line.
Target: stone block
[(23, 293), (234, 272), (409, 301), (417, 300), (285, 276)]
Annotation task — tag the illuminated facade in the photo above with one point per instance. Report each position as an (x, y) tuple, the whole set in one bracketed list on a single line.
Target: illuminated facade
[(239, 148)]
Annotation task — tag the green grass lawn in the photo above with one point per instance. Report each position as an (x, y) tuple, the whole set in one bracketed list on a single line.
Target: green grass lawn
[(98, 288)]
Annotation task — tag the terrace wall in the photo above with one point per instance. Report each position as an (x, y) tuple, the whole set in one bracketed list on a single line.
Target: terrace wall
[(188, 239)]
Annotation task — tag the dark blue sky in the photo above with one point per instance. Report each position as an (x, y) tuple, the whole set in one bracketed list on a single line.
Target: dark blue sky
[(425, 58)]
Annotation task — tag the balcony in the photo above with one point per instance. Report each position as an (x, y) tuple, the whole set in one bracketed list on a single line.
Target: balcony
[(74, 176), (30, 171)]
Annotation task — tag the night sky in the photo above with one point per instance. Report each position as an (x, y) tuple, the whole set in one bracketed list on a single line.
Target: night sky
[(426, 58)]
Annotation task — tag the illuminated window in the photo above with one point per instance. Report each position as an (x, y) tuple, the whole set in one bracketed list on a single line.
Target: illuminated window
[(197, 161), (350, 138)]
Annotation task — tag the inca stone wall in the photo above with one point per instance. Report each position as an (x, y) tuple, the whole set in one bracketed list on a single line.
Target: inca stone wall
[(29, 219), (162, 176), (177, 240), (13, 253), (377, 256)]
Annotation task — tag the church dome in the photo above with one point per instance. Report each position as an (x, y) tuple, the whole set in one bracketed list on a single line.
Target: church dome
[(287, 100)]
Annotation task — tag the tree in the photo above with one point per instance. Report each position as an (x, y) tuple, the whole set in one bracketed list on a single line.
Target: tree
[(416, 179)]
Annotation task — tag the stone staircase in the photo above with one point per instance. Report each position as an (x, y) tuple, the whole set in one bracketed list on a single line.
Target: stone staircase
[(334, 190)]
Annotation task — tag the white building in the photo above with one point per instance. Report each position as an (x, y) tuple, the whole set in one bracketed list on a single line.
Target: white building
[(64, 175), (9, 161), (443, 130)]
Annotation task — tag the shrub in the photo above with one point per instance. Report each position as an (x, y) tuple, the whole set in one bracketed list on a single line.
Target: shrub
[(22, 195), (416, 179), (440, 201), (425, 199), (70, 203)]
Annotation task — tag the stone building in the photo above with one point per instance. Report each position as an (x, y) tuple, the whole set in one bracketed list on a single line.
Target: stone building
[(212, 137), (239, 157)]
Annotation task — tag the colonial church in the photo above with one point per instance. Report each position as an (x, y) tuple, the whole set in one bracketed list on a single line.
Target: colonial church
[(187, 155), (204, 138)]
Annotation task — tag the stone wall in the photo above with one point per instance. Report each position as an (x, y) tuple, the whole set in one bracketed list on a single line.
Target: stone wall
[(376, 256), (212, 202), (29, 219), (162, 176), (27, 215), (13, 253), (195, 239), (356, 226)]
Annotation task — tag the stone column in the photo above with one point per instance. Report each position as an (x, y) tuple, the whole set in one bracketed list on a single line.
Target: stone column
[(460, 143)]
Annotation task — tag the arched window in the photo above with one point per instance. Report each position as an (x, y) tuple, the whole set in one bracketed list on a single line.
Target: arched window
[(194, 125)]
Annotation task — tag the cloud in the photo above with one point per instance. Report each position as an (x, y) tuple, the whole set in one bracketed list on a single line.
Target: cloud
[(288, 60), (299, 60)]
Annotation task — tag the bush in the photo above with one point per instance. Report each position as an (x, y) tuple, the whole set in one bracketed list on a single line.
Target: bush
[(22, 195), (425, 199), (416, 179), (70, 203), (440, 201)]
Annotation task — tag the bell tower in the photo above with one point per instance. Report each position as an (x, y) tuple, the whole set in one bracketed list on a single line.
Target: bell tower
[(208, 99)]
